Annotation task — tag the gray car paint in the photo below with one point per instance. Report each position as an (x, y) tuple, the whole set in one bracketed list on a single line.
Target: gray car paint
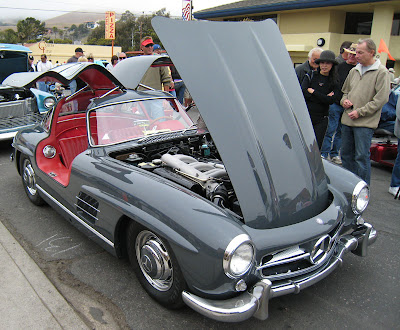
[(248, 87)]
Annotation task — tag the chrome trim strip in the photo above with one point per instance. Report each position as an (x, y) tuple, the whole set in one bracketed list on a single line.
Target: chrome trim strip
[(90, 205), (83, 210), (82, 222), (8, 136)]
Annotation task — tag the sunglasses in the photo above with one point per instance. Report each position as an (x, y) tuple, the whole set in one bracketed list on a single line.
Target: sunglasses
[(149, 45), (122, 58)]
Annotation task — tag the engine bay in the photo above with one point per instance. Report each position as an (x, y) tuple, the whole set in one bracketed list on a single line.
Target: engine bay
[(192, 162)]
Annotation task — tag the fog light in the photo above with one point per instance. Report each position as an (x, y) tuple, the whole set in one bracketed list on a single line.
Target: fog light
[(240, 285)]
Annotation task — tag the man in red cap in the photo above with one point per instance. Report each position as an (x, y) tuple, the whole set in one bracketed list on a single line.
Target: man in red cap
[(158, 77)]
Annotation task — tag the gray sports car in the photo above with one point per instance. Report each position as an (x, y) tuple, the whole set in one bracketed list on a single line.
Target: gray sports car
[(221, 218)]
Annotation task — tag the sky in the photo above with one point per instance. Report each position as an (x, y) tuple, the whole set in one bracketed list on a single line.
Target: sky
[(45, 9)]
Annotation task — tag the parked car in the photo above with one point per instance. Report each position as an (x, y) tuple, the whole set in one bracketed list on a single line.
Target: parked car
[(21, 105), (222, 219), (383, 148)]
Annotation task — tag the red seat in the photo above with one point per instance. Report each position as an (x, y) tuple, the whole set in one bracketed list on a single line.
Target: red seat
[(71, 147)]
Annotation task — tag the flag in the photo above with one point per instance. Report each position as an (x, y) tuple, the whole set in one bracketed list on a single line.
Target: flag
[(383, 49), (186, 10)]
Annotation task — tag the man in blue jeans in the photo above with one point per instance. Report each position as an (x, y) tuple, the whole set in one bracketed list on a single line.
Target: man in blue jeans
[(365, 91), (334, 129)]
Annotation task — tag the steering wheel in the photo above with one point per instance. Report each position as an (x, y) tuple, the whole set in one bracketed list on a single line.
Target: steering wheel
[(158, 119)]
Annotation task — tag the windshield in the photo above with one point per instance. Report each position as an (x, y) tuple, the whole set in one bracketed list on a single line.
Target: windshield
[(136, 119)]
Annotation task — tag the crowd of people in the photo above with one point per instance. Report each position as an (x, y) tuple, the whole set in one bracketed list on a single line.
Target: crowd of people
[(345, 96)]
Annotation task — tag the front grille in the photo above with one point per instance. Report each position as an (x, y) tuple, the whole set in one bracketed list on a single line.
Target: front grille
[(295, 261), (20, 121)]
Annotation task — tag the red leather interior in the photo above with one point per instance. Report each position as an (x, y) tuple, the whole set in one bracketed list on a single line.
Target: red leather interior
[(70, 147)]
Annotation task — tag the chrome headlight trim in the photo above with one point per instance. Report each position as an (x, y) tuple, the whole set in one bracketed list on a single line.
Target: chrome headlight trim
[(237, 242), (49, 102), (361, 188)]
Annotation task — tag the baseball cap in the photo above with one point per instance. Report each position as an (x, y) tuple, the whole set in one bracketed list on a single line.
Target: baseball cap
[(351, 49), (147, 42), (156, 46), (31, 57), (79, 50)]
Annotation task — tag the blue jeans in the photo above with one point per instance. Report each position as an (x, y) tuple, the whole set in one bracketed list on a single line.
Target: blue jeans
[(395, 182), (180, 90), (356, 142), (334, 125)]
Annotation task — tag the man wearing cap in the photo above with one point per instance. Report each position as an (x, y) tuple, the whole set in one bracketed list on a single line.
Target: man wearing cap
[(309, 65), (78, 53), (158, 77), (31, 65), (365, 91), (155, 77), (342, 57), (334, 130)]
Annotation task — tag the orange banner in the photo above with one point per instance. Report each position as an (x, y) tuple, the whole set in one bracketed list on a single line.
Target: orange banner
[(110, 25)]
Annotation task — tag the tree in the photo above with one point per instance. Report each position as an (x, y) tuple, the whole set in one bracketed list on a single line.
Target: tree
[(30, 28), (9, 36)]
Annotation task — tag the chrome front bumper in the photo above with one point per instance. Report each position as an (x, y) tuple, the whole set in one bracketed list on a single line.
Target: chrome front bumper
[(255, 301)]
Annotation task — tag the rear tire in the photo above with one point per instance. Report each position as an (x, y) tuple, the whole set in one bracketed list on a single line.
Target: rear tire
[(155, 266), (29, 181)]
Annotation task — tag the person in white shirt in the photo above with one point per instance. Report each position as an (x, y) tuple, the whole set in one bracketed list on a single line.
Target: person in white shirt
[(44, 64)]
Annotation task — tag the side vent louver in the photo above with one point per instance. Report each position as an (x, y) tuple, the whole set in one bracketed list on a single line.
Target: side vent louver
[(87, 207)]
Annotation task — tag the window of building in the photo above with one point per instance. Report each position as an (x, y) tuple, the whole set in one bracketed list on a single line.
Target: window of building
[(396, 25), (358, 23)]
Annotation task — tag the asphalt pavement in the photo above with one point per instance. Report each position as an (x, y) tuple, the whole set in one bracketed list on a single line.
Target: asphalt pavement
[(28, 300)]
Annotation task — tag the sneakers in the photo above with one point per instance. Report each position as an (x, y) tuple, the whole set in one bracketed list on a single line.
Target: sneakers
[(394, 190), (337, 160)]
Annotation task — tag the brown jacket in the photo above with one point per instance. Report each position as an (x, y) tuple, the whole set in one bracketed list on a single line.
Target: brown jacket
[(368, 93)]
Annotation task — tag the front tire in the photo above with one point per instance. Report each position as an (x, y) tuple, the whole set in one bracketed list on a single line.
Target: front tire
[(29, 181), (155, 266)]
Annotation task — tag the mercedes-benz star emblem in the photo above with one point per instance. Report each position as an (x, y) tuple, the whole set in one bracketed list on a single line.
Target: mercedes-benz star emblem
[(146, 263), (320, 249)]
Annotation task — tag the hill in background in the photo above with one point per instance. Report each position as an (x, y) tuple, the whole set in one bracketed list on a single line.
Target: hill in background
[(76, 18)]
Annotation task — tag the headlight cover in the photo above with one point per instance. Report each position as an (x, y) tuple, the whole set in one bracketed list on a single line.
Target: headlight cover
[(49, 102), (360, 197), (239, 256)]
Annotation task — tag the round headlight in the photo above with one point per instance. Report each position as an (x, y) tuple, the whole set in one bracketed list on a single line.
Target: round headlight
[(360, 197), (49, 102), (239, 256)]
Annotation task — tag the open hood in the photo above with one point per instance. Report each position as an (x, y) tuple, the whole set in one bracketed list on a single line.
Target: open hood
[(131, 71), (95, 75), (242, 79)]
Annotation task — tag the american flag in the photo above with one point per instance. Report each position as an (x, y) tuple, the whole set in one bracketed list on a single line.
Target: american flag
[(186, 10)]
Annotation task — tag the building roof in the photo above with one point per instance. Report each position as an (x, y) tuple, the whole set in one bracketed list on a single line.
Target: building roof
[(248, 7)]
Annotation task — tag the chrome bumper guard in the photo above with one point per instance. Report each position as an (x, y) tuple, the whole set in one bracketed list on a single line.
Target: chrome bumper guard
[(255, 301)]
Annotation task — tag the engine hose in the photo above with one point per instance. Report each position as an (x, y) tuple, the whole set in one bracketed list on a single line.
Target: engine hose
[(220, 196)]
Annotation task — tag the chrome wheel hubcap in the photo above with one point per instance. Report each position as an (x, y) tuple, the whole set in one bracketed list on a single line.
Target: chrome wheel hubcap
[(29, 177), (154, 260)]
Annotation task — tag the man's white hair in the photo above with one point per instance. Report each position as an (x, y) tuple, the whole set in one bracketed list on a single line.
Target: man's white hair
[(316, 49)]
